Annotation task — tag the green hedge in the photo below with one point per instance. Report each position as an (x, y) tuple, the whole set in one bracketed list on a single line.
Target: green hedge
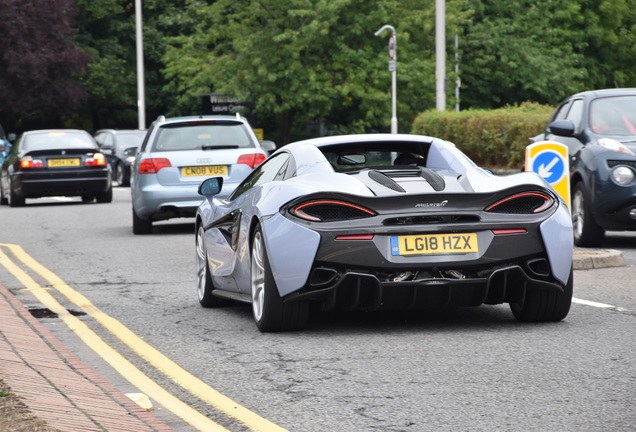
[(492, 138)]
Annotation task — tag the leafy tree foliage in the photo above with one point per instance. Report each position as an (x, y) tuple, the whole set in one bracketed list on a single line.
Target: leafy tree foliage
[(108, 34), (526, 50), (305, 61), (39, 64)]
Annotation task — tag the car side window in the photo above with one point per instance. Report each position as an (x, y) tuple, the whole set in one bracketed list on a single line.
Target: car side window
[(575, 113), (147, 138), (272, 169), (561, 112)]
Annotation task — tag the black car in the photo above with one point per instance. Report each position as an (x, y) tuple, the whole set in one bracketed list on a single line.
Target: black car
[(55, 162), (599, 129), (120, 147)]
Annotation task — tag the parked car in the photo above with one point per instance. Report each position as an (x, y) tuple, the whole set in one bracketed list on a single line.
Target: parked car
[(599, 129), (55, 162), (120, 147), (178, 153), (382, 221)]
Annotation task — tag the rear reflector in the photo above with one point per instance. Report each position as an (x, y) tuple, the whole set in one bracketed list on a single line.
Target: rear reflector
[(509, 231), (355, 237)]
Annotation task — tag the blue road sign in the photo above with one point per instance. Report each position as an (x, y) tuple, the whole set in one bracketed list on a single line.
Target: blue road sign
[(549, 165)]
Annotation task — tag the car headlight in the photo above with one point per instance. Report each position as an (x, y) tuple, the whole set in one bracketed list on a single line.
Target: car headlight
[(622, 175), (612, 144)]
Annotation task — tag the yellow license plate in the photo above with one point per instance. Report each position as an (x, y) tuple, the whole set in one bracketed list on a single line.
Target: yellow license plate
[(434, 244), (64, 162), (211, 170)]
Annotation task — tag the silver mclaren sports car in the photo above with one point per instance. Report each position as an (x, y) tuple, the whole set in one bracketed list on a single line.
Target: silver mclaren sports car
[(382, 221)]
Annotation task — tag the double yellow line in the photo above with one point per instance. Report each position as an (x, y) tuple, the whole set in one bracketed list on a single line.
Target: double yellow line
[(138, 345)]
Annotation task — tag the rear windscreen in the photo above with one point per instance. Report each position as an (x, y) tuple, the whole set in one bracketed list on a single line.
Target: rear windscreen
[(57, 140), (222, 135)]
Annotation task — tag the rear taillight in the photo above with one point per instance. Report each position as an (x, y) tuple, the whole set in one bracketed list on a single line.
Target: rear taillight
[(97, 160), (330, 210), (253, 160), (153, 165), (522, 203), (28, 162)]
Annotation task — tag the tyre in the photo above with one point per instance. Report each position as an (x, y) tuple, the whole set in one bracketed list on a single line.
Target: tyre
[(205, 286), (141, 226), (3, 199), (270, 313), (105, 197), (14, 199), (122, 175), (587, 233), (87, 198), (545, 305)]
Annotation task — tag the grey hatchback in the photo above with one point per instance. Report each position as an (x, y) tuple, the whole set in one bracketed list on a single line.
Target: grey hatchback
[(178, 154)]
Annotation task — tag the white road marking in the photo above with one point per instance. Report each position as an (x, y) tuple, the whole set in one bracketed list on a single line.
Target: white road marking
[(593, 304)]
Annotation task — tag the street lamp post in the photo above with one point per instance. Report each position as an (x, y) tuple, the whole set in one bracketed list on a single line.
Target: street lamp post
[(141, 98), (393, 69)]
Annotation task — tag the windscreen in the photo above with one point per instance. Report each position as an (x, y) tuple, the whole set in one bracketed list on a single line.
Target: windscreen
[(57, 140), (193, 136)]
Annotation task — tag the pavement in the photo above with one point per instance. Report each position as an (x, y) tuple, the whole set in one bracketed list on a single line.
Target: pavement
[(62, 391)]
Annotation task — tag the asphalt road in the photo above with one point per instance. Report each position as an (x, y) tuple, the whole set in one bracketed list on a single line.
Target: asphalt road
[(466, 369)]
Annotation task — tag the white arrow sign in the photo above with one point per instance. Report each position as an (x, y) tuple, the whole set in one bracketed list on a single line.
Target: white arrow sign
[(544, 170)]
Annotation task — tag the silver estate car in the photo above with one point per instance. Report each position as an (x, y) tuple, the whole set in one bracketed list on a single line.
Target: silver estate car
[(178, 154)]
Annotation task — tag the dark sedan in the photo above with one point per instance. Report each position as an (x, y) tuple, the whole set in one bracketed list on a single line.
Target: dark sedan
[(599, 129), (56, 162), (120, 147)]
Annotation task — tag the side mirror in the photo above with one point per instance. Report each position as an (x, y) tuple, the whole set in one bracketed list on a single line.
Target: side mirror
[(564, 128), (268, 146), (130, 151), (210, 187)]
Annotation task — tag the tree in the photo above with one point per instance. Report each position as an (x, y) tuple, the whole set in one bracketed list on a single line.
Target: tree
[(41, 66), (108, 34), (526, 50), (305, 61)]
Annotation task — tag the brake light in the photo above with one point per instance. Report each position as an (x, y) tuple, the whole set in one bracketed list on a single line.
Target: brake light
[(253, 160), (153, 165), (28, 162), (522, 203), (325, 210), (97, 160)]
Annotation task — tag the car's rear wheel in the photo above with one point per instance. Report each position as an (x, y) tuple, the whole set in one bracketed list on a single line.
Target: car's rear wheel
[(105, 197), (205, 286), (587, 233), (271, 314), (122, 177), (545, 305), (3, 199), (141, 226), (14, 199)]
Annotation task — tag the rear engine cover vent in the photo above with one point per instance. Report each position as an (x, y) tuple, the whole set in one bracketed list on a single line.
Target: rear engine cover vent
[(385, 180)]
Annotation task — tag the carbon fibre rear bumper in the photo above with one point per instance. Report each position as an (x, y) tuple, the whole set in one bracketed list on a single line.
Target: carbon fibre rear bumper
[(363, 291)]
